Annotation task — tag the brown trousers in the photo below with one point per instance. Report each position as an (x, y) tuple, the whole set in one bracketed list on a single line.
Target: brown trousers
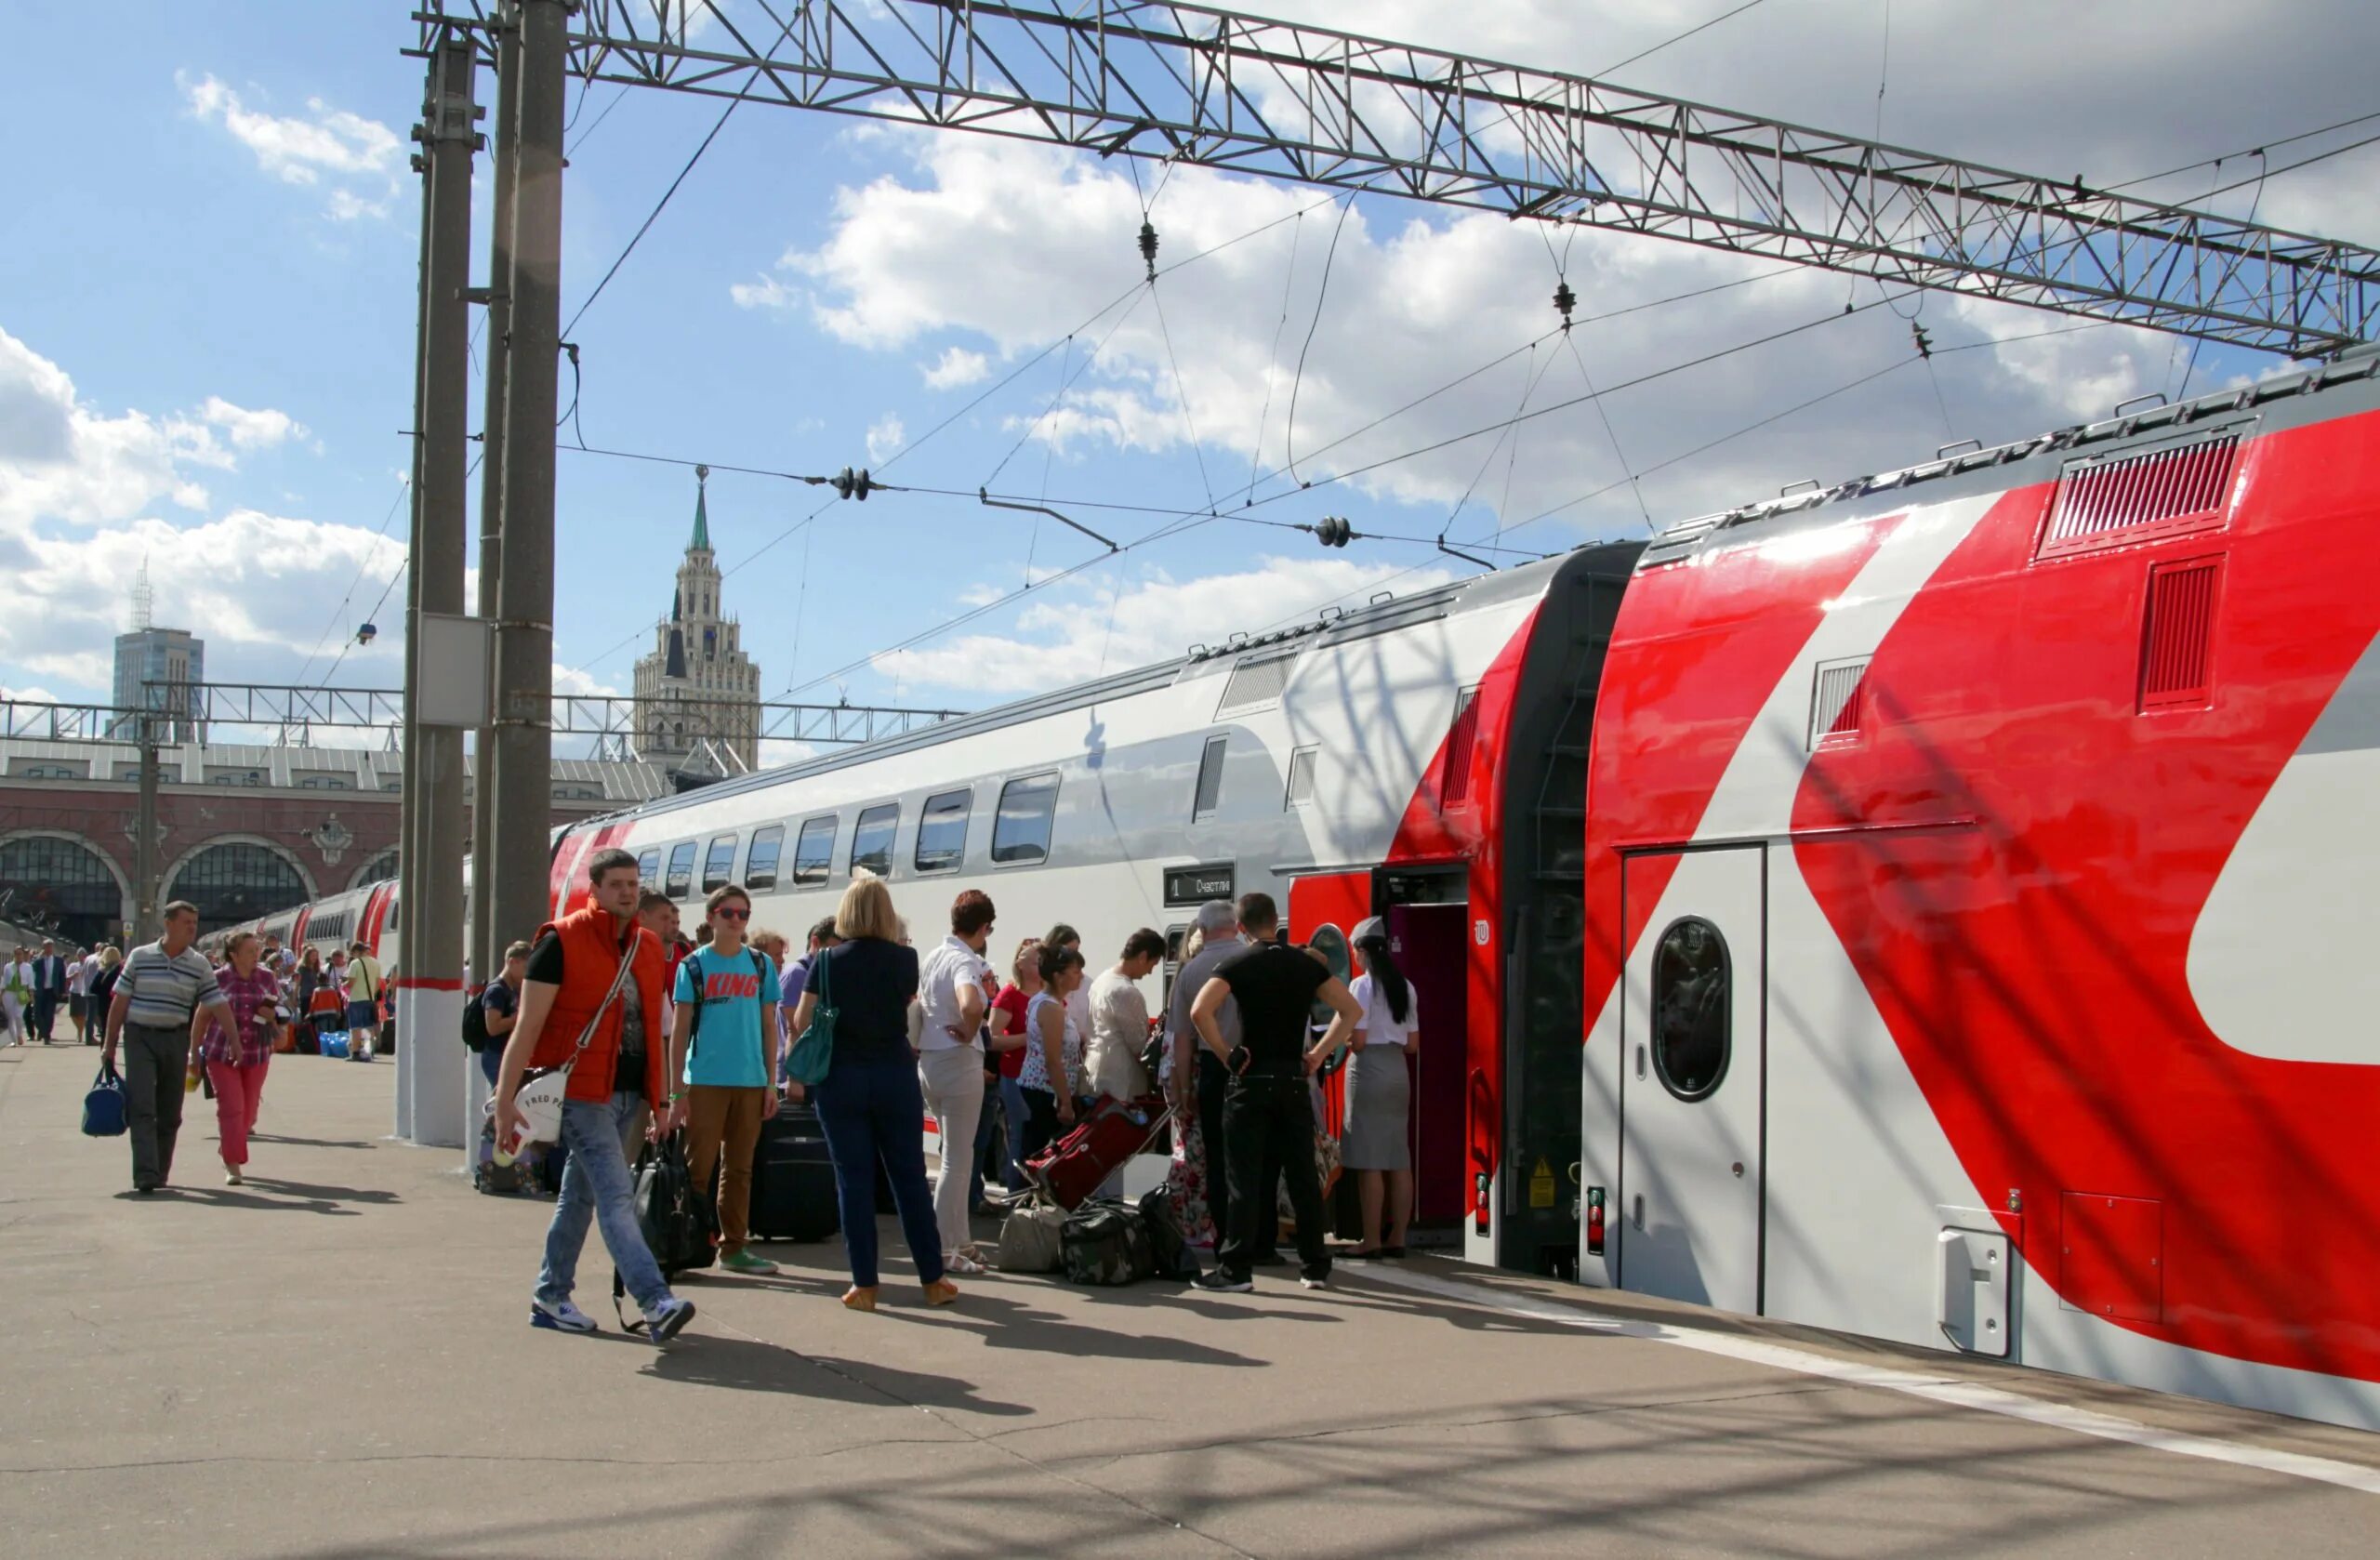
[(718, 1117)]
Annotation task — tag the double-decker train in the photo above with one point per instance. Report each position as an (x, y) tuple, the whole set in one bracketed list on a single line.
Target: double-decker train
[(1957, 878)]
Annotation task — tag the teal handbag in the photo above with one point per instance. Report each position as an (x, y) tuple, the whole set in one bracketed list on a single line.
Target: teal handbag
[(813, 1054)]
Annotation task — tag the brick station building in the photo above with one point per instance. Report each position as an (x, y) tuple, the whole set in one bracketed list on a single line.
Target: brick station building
[(242, 830)]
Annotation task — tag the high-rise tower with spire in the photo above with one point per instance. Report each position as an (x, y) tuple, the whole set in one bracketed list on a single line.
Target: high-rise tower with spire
[(697, 686)]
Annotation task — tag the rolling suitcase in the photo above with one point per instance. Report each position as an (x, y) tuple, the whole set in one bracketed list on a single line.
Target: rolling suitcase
[(793, 1180), (1070, 1170)]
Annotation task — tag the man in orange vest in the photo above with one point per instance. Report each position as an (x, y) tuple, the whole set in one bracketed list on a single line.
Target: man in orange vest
[(593, 975)]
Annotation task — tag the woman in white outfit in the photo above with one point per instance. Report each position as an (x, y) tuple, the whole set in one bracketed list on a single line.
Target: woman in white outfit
[(1376, 1144), (946, 1029)]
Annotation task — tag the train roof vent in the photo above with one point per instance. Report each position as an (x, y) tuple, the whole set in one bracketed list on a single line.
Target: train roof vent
[(1839, 700), (1256, 681), (2178, 635), (2136, 495)]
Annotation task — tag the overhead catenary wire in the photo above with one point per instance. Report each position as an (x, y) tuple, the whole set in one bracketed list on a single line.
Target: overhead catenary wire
[(659, 206), (802, 526), (1188, 520), (404, 486), (1678, 38), (1289, 437)]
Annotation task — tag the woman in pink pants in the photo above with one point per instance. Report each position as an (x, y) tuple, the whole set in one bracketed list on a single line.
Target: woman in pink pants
[(236, 1058)]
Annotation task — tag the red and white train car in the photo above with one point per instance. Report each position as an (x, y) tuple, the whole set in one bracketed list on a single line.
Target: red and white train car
[(1960, 880), (1983, 862)]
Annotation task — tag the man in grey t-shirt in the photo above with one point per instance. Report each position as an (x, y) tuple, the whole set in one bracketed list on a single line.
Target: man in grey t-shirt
[(164, 986)]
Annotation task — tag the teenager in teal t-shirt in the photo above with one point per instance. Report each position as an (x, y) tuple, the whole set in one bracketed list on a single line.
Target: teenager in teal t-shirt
[(723, 1055)]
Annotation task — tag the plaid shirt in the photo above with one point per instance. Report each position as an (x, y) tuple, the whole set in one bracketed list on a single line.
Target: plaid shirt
[(251, 1000)]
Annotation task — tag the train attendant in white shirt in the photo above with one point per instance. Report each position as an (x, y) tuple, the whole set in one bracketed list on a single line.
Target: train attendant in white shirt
[(1379, 1092)]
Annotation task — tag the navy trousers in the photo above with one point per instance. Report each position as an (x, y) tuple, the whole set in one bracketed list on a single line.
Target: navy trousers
[(872, 1109)]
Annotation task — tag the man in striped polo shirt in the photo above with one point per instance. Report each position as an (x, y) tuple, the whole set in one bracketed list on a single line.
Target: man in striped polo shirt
[(164, 986)]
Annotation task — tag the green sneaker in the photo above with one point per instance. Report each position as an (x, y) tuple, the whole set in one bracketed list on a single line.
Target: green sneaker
[(743, 1262)]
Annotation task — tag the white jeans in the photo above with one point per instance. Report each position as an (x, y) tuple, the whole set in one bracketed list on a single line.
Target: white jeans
[(952, 1079)]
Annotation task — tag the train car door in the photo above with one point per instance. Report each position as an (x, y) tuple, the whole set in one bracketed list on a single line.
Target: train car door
[(1429, 944), (1692, 1080)]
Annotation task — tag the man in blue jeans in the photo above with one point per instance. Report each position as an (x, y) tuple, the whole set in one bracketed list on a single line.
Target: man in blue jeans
[(592, 977)]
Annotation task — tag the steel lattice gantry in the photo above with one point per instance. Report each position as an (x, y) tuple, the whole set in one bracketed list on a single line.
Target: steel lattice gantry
[(290, 709), (1194, 84)]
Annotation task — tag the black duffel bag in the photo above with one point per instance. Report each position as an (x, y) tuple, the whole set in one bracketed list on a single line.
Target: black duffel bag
[(676, 1218), (1106, 1243)]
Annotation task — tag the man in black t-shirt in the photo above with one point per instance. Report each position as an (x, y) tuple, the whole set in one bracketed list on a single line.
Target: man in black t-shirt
[(1267, 1113)]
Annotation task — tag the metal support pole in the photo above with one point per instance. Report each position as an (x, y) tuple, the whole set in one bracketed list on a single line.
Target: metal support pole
[(429, 1062), (522, 778), (145, 866), (409, 897), (488, 939)]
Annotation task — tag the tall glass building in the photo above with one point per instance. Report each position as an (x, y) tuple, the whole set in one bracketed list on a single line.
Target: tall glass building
[(161, 656)]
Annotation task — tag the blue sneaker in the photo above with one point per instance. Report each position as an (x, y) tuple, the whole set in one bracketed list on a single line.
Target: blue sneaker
[(560, 1315), (668, 1319)]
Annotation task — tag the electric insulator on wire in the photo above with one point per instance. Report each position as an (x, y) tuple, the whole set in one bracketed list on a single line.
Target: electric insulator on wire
[(1149, 247), (1332, 531), (849, 484), (1565, 300), (1925, 342)]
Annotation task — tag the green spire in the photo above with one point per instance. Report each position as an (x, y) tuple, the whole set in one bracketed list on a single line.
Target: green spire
[(702, 516)]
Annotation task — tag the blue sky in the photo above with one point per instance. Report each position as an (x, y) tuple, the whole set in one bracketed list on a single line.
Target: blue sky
[(206, 306)]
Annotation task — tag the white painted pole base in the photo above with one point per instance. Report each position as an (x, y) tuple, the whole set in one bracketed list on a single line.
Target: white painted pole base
[(433, 1068)]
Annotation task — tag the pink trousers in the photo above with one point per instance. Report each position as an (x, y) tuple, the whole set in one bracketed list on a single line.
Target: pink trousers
[(237, 1093)]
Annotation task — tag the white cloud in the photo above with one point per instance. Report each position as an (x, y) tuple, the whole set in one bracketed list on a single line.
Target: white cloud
[(1082, 628), (957, 366), (884, 435), (362, 159), (258, 588), (777, 752), (62, 459), (248, 429), (768, 293), (572, 679)]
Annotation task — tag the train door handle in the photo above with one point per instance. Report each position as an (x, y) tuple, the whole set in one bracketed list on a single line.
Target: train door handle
[(1639, 1063), (1636, 1214)]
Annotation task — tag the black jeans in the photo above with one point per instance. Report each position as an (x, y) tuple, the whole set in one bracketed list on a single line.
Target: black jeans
[(1268, 1126)]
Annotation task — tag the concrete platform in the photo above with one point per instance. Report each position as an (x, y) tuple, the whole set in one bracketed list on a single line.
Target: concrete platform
[(335, 1361)]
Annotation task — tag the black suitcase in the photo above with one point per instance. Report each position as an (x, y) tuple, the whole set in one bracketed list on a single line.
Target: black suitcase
[(793, 1181)]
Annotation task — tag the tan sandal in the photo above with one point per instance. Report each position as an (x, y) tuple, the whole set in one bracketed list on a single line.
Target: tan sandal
[(858, 1298), (942, 1292)]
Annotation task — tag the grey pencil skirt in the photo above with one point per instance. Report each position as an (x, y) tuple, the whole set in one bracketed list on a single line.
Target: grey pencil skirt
[(1378, 1096)]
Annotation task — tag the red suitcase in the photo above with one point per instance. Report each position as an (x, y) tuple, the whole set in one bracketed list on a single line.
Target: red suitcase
[(1070, 1170)]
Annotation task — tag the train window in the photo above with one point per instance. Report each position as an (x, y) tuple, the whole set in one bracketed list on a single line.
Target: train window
[(761, 867), (719, 863), (942, 831), (1021, 830), (872, 840), (1331, 944), (1301, 791), (648, 866), (1211, 780), (682, 871), (1692, 1002), (814, 850)]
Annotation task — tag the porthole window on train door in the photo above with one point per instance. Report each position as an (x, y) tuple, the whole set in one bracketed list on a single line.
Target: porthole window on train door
[(1692, 1001), (1331, 944)]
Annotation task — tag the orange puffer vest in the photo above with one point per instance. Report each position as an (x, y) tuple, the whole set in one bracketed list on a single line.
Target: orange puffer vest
[(591, 957)]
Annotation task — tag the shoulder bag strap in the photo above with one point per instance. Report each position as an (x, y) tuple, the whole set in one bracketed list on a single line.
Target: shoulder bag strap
[(619, 982), (694, 1024)]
